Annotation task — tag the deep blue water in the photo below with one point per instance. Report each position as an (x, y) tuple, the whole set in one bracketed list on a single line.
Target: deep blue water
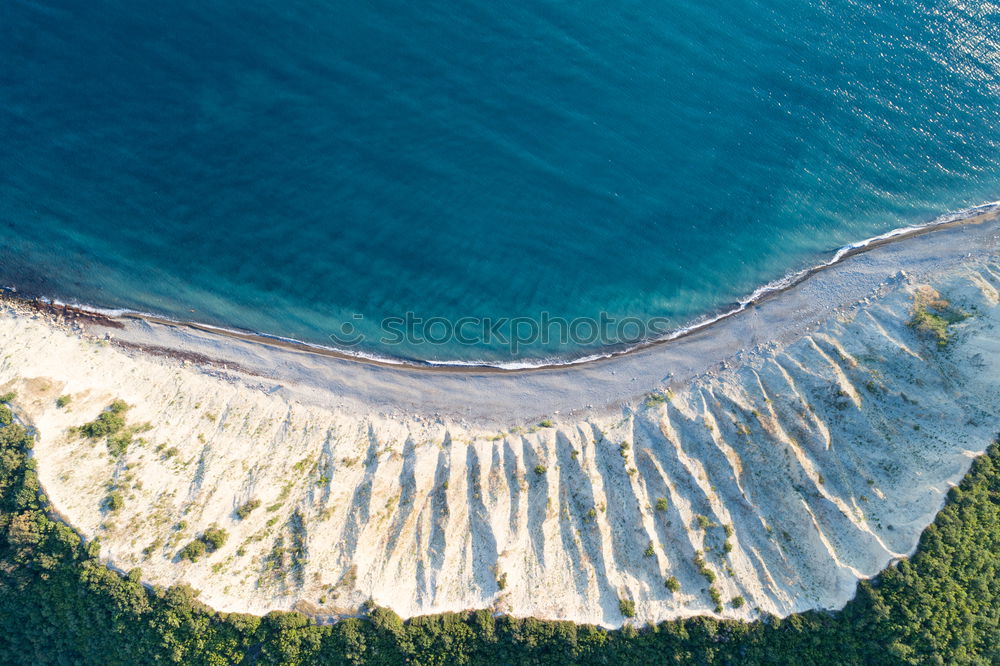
[(283, 166)]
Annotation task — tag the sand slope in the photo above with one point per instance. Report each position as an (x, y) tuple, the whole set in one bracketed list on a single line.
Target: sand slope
[(794, 463)]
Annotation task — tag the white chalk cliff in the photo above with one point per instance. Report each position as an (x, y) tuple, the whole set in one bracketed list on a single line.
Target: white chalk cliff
[(799, 446)]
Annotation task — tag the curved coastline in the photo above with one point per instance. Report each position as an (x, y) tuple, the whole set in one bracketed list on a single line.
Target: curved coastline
[(114, 317), (820, 412)]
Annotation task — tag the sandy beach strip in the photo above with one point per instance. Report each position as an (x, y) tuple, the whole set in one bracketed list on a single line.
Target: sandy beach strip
[(493, 396)]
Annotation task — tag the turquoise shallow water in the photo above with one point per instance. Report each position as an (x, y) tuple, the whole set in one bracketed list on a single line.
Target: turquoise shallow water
[(297, 167)]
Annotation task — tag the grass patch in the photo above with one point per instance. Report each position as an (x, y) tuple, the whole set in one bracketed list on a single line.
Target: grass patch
[(932, 315), (654, 399)]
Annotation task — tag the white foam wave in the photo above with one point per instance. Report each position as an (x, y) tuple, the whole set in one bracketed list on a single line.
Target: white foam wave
[(534, 364)]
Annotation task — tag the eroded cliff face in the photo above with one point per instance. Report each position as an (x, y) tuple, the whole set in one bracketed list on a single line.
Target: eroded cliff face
[(778, 479)]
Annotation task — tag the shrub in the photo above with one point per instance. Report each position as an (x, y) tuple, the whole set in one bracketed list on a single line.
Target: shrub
[(247, 508), (210, 541), (737, 602), (118, 407), (661, 503), (118, 443), (6, 416), (62, 401), (9, 396), (193, 550), (703, 522), (107, 423), (703, 569), (650, 551), (539, 469), (627, 607), (214, 538), (673, 584), (716, 599), (114, 501), (545, 424)]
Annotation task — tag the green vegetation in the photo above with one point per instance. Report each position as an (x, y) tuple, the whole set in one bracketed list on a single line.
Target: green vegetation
[(933, 315), (716, 599), (539, 470), (627, 607), (247, 508), (214, 538), (210, 541), (6, 416), (654, 399), (193, 550), (118, 444), (60, 604), (114, 501), (661, 503), (699, 561), (107, 423), (8, 397), (63, 401), (673, 584), (650, 550), (547, 423), (737, 602), (110, 424)]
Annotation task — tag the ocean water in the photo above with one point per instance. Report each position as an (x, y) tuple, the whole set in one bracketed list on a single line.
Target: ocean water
[(308, 169)]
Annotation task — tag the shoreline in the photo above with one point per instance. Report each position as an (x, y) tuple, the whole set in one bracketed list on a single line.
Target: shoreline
[(797, 446), (117, 318), (494, 397)]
